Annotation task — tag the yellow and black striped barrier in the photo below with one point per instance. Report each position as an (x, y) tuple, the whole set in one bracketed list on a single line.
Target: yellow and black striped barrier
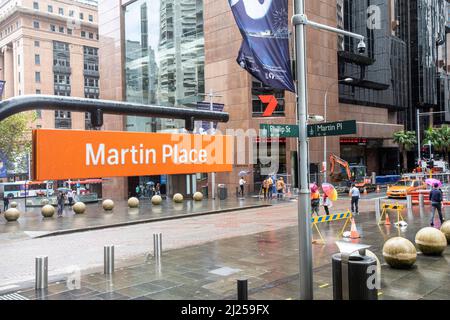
[(334, 217), (384, 218)]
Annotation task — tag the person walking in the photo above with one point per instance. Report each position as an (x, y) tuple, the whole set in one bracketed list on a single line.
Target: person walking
[(138, 191), (242, 183), (315, 201), (70, 197), (5, 203), (436, 198), (158, 189), (265, 188), (280, 188), (326, 204), (355, 194), (269, 187), (61, 199)]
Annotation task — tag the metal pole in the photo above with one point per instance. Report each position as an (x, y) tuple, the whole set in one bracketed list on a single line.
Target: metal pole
[(213, 175), (378, 208), (304, 219), (242, 289), (325, 139), (418, 135), (41, 281), (157, 245), (108, 259), (409, 203)]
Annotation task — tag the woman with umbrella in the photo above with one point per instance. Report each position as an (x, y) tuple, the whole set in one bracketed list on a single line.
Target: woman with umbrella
[(315, 199), (329, 195)]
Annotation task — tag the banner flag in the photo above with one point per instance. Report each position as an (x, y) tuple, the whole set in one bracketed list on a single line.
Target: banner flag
[(265, 49)]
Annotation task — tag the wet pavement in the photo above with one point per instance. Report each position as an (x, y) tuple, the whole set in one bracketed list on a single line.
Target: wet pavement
[(33, 224), (269, 260)]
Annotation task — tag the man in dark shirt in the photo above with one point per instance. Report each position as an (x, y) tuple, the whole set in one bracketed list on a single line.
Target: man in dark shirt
[(436, 203)]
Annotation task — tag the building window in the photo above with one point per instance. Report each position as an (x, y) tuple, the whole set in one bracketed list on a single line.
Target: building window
[(19, 77), (38, 112), (71, 13), (81, 16), (69, 31), (36, 5), (258, 107), (37, 44), (36, 24), (38, 91), (61, 11), (53, 27), (63, 119), (91, 35), (18, 59), (50, 8), (61, 29), (91, 18), (37, 59), (37, 77), (83, 34)]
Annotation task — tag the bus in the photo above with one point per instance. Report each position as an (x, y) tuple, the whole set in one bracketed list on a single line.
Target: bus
[(32, 188)]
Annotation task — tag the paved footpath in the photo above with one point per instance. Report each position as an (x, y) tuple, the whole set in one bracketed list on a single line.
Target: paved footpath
[(203, 256)]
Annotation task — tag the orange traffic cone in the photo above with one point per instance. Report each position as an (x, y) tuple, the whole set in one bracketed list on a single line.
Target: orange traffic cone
[(354, 234), (387, 222)]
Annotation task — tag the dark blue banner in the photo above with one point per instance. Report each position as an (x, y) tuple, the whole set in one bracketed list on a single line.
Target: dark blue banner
[(265, 50)]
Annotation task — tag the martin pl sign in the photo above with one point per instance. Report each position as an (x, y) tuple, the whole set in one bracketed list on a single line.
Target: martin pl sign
[(332, 129)]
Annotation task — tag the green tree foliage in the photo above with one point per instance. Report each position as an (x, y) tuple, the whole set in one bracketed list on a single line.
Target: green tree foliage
[(15, 137), (406, 141), (440, 139)]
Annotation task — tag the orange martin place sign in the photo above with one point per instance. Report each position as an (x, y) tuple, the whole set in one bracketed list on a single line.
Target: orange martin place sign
[(63, 154)]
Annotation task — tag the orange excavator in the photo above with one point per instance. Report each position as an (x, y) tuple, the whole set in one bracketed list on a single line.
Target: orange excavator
[(355, 174)]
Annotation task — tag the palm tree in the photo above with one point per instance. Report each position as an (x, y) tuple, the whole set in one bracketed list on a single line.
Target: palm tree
[(406, 141), (440, 139)]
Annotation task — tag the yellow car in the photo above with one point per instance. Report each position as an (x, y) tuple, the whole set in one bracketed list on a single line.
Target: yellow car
[(403, 187)]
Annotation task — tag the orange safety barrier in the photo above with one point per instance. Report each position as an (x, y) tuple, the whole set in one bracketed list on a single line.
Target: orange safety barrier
[(426, 196)]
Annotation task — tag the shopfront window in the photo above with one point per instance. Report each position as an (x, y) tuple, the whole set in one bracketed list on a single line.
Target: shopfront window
[(164, 48)]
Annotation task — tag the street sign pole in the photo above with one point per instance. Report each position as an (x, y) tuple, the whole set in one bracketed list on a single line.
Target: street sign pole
[(304, 220)]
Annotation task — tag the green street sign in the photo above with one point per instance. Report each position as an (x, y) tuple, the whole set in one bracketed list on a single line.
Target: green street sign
[(332, 129), (279, 130)]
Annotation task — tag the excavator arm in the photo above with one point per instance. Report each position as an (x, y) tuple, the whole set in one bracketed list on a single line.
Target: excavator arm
[(335, 159)]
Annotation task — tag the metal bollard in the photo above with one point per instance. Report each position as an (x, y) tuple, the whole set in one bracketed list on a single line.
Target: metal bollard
[(157, 245), (108, 259), (421, 201), (378, 208), (41, 273), (242, 289), (409, 203)]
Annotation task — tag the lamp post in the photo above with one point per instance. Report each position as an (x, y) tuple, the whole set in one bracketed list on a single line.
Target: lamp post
[(346, 80), (418, 115), (300, 21)]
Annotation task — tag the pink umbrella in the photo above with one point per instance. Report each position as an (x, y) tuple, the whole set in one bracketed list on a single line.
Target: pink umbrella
[(330, 191), (432, 182), (313, 187)]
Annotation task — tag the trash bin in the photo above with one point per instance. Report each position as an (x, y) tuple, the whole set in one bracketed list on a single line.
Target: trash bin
[(358, 286), (222, 190)]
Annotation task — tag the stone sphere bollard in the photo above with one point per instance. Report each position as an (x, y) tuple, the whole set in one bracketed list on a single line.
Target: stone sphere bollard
[(431, 241), (12, 214), (445, 229), (178, 198), (45, 202), (48, 211), (156, 200), (79, 208), (133, 202), (198, 196), (108, 205), (13, 205), (399, 253)]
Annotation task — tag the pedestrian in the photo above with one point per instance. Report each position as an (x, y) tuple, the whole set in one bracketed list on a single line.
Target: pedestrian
[(355, 194), (70, 197), (315, 201), (280, 188), (242, 183), (326, 204), (265, 188), (138, 191), (61, 199), (5, 203), (270, 187), (158, 189), (436, 198)]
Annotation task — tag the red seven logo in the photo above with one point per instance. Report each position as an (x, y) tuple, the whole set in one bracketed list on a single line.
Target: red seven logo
[(272, 104)]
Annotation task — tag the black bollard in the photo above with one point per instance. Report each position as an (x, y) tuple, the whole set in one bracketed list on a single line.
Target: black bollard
[(242, 289)]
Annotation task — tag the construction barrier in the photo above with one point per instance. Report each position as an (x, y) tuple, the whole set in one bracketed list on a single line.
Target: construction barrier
[(384, 214), (334, 217), (426, 197)]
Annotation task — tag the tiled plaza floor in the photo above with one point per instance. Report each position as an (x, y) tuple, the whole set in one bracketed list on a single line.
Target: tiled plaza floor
[(268, 260)]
